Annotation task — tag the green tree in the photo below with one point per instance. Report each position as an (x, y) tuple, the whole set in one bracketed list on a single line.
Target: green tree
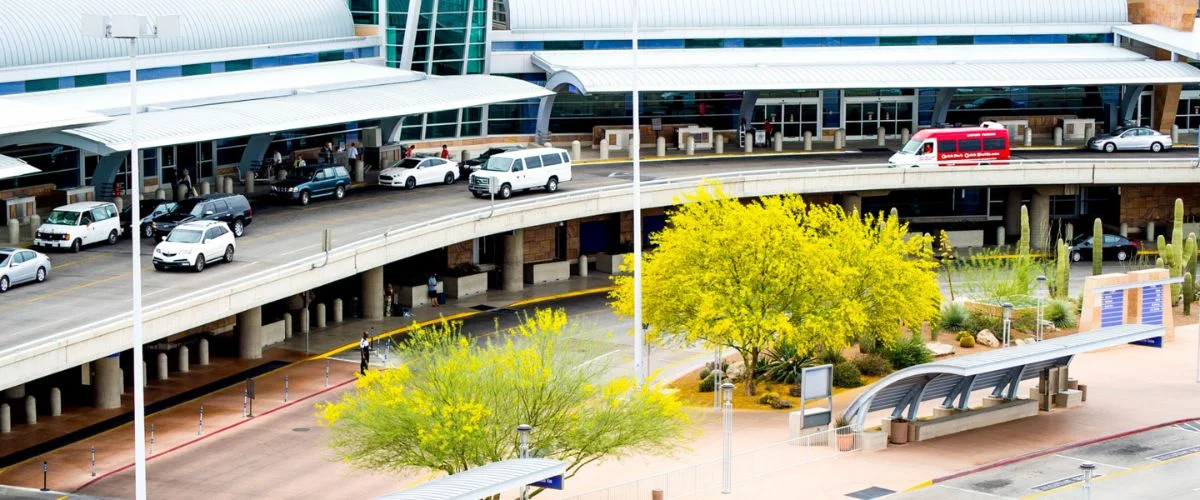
[(1097, 247), (455, 404), (1023, 243), (751, 276)]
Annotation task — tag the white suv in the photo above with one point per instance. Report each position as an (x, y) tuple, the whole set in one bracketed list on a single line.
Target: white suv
[(521, 170), (195, 244), (78, 224)]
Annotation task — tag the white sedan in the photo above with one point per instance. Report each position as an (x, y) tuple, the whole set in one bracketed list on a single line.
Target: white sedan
[(413, 172)]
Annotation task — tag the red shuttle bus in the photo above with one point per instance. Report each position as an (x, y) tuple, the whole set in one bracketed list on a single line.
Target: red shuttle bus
[(987, 144)]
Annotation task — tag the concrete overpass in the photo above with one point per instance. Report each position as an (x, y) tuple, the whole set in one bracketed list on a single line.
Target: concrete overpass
[(45, 335)]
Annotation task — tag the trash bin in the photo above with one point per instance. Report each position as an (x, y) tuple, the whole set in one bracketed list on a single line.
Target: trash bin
[(441, 297)]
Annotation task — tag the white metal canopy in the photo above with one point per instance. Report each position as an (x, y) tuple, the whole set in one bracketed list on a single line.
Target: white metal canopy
[(19, 117), (13, 167), (484, 481), (1184, 43)]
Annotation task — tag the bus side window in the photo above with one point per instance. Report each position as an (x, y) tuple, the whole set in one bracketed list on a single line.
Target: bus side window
[(947, 146), (993, 144)]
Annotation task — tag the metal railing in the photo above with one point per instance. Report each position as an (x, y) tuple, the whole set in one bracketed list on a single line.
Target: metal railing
[(705, 478)]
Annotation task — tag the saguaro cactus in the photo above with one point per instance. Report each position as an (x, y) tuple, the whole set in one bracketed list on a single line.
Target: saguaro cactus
[(1062, 270), (1097, 247), (1023, 243), (1189, 254), (1189, 293)]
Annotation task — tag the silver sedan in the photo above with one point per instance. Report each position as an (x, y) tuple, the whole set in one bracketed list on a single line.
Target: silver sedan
[(18, 265), (1134, 138)]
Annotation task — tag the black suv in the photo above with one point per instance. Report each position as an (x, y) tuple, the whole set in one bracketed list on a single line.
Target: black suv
[(150, 210), (232, 209), (466, 167)]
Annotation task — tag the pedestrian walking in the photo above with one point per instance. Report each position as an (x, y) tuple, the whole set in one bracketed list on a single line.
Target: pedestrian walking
[(364, 349), (433, 291), (769, 130), (445, 152), (185, 179)]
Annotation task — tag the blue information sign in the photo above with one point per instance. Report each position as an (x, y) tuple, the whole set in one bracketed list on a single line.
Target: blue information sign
[(1152, 312), (554, 483), (1112, 308)]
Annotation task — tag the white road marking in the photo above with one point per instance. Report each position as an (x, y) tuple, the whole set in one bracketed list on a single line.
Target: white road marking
[(1090, 461)]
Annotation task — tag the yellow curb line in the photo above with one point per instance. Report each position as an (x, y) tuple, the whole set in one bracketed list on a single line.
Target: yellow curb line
[(923, 484), (462, 315)]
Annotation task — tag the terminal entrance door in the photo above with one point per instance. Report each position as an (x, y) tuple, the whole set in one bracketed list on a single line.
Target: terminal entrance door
[(791, 117), (863, 115)]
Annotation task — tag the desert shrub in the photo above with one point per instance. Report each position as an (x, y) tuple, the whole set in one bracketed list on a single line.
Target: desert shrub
[(954, 316), (909, 351), (966, 341), (873, 365), (705, 372), (979, 322), (831, 357), (784, 363), (846, 375), (706, 385), (1060, 313), (768, 398)]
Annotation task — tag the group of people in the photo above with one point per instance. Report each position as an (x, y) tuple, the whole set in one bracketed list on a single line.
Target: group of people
[(389, 294), (327, 155), (409, 151), (747, 129)]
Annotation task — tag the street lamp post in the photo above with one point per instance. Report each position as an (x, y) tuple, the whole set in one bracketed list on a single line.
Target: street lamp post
[(131, 27), (1041, 295), (727, 449), (1007, 326), (639, 334), (523, 431), (1088, 469)]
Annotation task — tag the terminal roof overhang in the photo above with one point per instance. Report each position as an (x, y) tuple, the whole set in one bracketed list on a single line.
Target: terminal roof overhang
[(940, 66), (14, 167), (226, 105), (1184, 43), (17, 117)]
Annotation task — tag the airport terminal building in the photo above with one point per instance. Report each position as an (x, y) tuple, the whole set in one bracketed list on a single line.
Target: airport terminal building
[(561, 69)]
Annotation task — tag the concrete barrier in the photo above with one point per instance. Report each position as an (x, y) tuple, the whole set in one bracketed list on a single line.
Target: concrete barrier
[(576, 149), (183, 363), (55, 402), (337, 311), (660, 147), (778, 142), (603, 149), (974, 419), (548, 272), (458, 287), (610, 263), (417, 296), (273, 333), (690, 144), (719, 145), (1028, 137), (14, 232), (808, 145), (1058, 136)]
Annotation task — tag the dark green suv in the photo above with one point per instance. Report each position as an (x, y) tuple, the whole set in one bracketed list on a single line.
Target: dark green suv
[(306, 183)]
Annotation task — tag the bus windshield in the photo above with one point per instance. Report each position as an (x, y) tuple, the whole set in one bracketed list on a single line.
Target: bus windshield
[(498, 164)]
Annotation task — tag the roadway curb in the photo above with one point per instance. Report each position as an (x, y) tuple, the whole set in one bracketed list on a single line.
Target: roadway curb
[(722, 156)]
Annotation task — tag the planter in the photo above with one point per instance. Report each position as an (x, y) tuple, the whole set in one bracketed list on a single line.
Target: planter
[(547, 272), (845, 442), (898, 433), (416, 296), (458, 287), (610, 263)]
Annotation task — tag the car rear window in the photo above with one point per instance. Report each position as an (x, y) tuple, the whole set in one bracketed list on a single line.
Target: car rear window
[(968, 145), (993, 144), (947, 145)]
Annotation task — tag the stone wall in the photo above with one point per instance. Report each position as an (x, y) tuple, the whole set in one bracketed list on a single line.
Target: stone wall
[(1141, 204), (573, 240), (539, 243), (460, 253), (627, 222)]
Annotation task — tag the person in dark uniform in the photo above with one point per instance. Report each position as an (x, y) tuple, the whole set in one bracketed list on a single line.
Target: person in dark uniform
[(364, 349)]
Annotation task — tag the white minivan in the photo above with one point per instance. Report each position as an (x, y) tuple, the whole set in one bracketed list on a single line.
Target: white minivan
[(521, 170), (78, 224)]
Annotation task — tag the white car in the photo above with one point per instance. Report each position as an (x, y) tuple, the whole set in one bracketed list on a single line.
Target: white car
[(413, 172), (22, 266), (78, 224), (194, 245)]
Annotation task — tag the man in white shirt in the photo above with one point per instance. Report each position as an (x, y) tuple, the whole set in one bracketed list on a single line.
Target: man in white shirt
[(352, 154)]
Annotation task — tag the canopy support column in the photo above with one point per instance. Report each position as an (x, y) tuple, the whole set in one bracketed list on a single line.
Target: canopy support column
[(545, 105), (1014, 374), (1129, 101), (390, 129), (746, 113), (256, 150), (107, 169), (941, 106), (968, 385)]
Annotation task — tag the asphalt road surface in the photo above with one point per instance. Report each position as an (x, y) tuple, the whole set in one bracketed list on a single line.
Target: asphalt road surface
[(95, 284)]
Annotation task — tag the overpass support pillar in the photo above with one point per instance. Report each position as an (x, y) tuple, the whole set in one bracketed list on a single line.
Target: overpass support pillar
[(1012, 212), (372, 293), (852, 202), (107, 382), (250, 338), (1039, 219), (513, 273)]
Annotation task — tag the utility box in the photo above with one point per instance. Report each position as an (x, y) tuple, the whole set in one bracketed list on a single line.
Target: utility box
[(73, 195)]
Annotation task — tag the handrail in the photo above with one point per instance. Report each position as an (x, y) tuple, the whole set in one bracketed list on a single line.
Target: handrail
[(304, 264)]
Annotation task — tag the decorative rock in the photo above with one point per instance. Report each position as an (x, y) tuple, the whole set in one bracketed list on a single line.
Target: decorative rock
[(1019, 341), (736, 371), (939, 349), (987, 338)]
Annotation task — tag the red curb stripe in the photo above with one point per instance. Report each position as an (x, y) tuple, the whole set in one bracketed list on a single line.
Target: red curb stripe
[(213, 433), (1056, 449)]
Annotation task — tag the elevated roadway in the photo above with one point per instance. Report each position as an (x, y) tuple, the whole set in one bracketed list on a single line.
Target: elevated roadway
[(82, 313)]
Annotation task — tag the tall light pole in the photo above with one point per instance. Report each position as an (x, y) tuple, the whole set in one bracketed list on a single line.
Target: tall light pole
[(131, 27), (639, 334), (1041, 296)]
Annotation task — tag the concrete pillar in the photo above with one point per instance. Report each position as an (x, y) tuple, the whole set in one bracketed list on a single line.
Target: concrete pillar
[(205, 187), (1058, 136), (748, 144), (1174, 133), (1012, 211), (5, 418), (249, 182), (778, 142), (320, 315), (513, 272), (1039, 220), (55, 402), (359, 170), (14, 232), (1000, 235), (839, 139), (305, 320), (229, 184), (1070, 230), (145, 375), (634, 144), (85, 374), (1150, 231), (162, 370), (904, 136), (184, 362), (808, 140), (1028, 137), (250, 339), (1124, 230), (583, 266), (121, 377), (719, 145), (337, 311), (690, 142), (202, 353), (15, 392), (287, 325), (851, 202), (30, 410), (159, 194), (881, 137), (576, 150), (603, 149), (372, 293), (660, 147)]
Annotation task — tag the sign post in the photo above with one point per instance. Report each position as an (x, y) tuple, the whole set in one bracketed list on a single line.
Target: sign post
[(816, 382)]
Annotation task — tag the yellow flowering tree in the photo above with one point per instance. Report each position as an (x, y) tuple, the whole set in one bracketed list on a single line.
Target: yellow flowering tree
[(455, 404), (751, 276)]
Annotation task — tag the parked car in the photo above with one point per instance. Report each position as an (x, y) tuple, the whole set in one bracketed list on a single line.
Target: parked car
[(466, 167), (1133, 138), (306, 183), (149, 210), (78, 224), (232, 209), (1115, 247), (18, 266), (413, 172), (521, 170), (194, 245)]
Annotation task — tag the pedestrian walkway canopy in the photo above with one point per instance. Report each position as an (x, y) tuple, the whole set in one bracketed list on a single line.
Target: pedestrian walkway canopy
[(1184, 43), (12, 167), (18, 116), (1002, 370), (484, 481), (814, 68)]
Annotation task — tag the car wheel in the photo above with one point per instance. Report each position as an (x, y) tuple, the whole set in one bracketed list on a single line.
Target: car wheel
[(3, 284), (199, 266), (113, 237), (229, 253), (1076, 256), (477, 194), (449, 178), (505, 191), (304, 198), (1122, 256), (76, 246), (552, 185), (148, 231), (1156, 147), (238, 228), (41, 275), (339, 193), (410, 183), (1110, 147)]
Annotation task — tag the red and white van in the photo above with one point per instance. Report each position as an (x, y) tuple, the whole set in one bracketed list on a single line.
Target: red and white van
[(987, 144)]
